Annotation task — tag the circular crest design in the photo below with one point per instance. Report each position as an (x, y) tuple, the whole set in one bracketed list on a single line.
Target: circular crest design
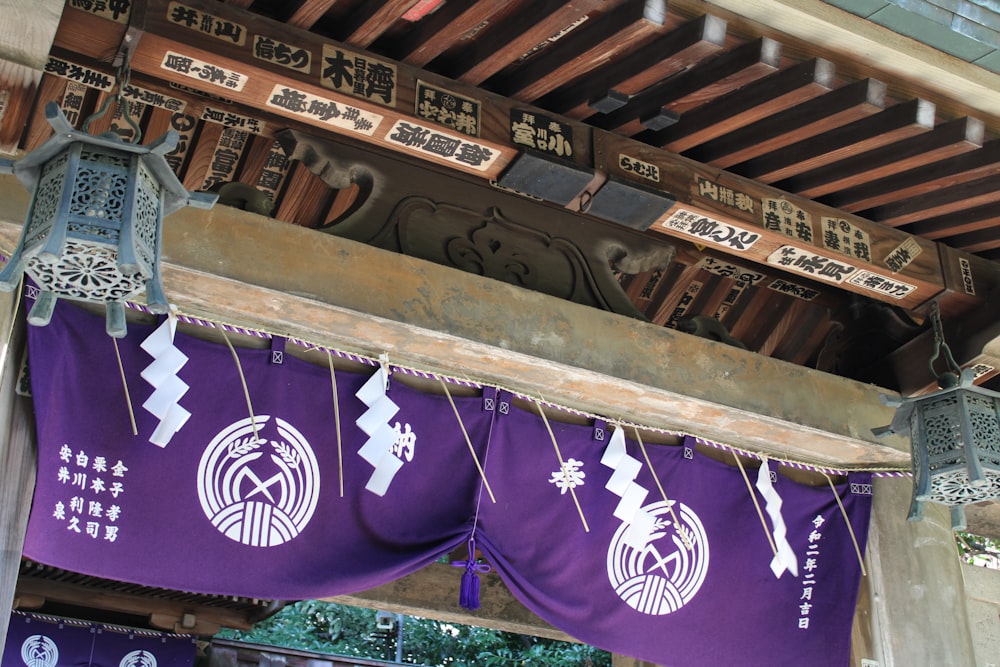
[(39, 651), (259, 488), (138, 659), (666, 574)]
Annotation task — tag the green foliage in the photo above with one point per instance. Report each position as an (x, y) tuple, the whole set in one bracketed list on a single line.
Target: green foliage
[(325, 627), (978, 550)]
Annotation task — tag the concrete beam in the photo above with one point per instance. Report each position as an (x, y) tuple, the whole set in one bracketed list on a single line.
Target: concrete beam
[(239, 267)]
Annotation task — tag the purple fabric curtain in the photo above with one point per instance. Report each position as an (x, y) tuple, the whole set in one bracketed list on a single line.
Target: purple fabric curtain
[(42, 641), (701, 591), (224, 509)]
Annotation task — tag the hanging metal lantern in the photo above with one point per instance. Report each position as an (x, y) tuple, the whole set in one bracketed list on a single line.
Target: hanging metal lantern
[(954, 435), (93, 229)]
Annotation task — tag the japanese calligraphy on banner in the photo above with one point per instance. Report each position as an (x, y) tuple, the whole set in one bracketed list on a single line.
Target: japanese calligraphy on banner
[(682, 307), (726, 196), (91, 78), (735, 272), (965, 267), (72, 102), (840, 235), (447, 108), (832, 270), (784, 217), (287, 55), (641, 169), (204, 71), (206, 24), (647, 291), (247, 502), (228, 151), (184, 125), (358, 75), (429, 142), (139, 94), (873, 282), (541, 133), (329, 112), (810, 264), (234, 120), (275, 170), (80, 74), (707, 230), (115, 10), (92, 486), (34, 640), (798, 291), (902, 255)]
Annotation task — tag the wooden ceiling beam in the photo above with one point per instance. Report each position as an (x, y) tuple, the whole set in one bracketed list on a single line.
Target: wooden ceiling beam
[(755, 101), (374, 18), (821, 114), (958, 222), (502, 44), (641, 67), (308, 12), (975, 241), (905, 184), (947, 140), (254, 84), (448, 25), (819, 26), (601, 40), (675, 95), (726, 212), (974, 341), (937, 202), (894, 124), (233, 266)]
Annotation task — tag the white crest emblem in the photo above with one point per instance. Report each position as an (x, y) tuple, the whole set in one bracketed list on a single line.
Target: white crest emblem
[(138, 659), (667, 572), (39, 651), (259, 489)]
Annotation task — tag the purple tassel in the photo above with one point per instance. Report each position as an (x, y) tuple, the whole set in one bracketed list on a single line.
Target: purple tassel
[(468, 596)]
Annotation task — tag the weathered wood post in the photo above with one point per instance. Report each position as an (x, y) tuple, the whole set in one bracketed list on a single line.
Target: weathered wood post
[(917, 592), (17, 458)]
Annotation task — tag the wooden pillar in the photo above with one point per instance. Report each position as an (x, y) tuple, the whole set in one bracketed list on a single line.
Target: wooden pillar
[(17, 459), (915, 581)]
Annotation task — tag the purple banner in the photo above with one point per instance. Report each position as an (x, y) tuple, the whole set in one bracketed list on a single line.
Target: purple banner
[(580, 531), (224, 509), (43, 641), (698, 588)]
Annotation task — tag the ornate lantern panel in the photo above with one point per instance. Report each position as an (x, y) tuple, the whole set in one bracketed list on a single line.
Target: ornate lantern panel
[(955, 440), (93, 228)]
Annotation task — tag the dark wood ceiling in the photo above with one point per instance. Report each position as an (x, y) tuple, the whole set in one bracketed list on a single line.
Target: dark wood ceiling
[(736, 99)]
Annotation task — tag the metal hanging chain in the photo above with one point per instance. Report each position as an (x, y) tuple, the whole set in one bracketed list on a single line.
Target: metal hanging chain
[(117, 95), (940, 345)]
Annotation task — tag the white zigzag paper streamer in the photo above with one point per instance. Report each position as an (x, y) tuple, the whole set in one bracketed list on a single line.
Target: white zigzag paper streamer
[(164, 402), (622, 483), (784, 559), (377, 451)]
